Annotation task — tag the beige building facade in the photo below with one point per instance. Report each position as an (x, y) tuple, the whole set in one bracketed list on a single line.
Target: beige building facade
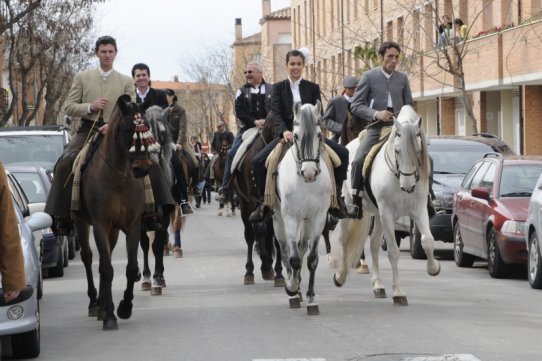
[(500, 59)]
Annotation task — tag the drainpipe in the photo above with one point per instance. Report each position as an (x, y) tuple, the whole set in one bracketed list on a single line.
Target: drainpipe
[(381, 21)]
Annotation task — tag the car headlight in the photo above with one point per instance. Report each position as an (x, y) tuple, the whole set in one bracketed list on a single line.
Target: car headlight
[(443, 200), (15, 312), (515, 228)]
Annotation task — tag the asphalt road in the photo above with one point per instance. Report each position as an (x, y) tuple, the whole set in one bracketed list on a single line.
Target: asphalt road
[(207, 314)]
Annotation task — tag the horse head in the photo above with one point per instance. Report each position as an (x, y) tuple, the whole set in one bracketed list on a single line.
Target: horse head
[(131, 133), (410, 149), (308, 139)]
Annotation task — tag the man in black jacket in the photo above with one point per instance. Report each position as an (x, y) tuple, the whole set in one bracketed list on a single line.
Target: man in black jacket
[(145, 95), (252, 104)]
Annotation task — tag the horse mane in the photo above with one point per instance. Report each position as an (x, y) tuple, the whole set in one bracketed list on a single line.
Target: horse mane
[(307, 123), (113, 126), (161, 131), (409, 133)]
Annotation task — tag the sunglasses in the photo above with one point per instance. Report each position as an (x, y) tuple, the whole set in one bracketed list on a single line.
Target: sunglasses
[(247, 72)]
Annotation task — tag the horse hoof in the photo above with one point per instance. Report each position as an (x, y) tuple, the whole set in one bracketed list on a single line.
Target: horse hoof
[(295, 302), (363, 269), (156, 291), (336, 282), (248, 280), (279, 282), (268, 275), (233, 213), (110, 325), (124, 311), (228, 214), (435, 272), (379, 293), (93, 311), (138, 277), (400, 301), (178, 253), (166, 252), (312, 310), (146, 286), (291, 293)]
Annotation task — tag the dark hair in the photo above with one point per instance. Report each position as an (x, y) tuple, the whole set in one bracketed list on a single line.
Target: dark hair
[(170, 92), (294, 52), (388, 45), (458, 21), (104, 40), (141, 66)]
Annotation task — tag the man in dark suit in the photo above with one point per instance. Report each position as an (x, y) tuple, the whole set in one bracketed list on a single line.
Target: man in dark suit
[(380, 95), (221, 134), (337, 108), (145, 95)]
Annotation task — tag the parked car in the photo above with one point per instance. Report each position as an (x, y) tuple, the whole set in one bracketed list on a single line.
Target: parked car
[(452, 157), (20, 318), (36, 145), (490, 209), (533, 231), (36, 183)]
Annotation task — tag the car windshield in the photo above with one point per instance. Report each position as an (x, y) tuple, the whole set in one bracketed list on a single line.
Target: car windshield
[(38, 150), (519, 180), (32, 186), (453, 159)]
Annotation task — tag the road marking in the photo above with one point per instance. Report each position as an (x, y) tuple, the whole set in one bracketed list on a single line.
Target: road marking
[(292, 359), (456, 357)]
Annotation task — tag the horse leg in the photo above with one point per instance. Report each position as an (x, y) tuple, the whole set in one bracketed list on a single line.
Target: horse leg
[(379, 290), (428, 243), (106, 278), (82, 231), (232, 200), (279, 278), (160, 240), (399, 297), (294, 259), (312, 263), (266, 250), (144, 241), (124, 310)]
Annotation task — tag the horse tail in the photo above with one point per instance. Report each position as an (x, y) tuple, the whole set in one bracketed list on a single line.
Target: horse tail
[(347, 243)]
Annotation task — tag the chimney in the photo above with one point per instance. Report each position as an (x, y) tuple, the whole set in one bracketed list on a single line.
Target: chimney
[(176, 78), (238, 29), (266, 7)]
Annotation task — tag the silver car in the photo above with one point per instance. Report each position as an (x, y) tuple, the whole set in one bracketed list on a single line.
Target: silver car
[(533, 231), (20, 318)]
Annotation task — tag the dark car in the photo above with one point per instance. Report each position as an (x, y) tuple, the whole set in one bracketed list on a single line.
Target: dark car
[(452, 157), (36, 183), (490, 209)]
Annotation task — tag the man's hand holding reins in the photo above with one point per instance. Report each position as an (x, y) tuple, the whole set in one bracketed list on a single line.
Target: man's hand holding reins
[(384, 115), (98, 104), (259, 123), (288, 136)]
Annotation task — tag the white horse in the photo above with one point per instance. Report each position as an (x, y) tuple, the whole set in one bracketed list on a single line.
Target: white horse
[(304, 191), (399, 180)]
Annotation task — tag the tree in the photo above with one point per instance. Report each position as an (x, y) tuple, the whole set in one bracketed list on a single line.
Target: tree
[(11, 13)]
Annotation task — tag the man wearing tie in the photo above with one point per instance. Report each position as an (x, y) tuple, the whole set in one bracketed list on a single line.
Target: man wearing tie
[(379, 96)]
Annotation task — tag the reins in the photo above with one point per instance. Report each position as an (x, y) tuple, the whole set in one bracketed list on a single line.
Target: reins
[(395, 167)]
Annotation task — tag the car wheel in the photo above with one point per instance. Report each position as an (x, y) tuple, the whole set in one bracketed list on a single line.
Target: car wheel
[(461, 259), (495, 265), (416, 249), (27, 344), (58, 270), (71, 247), (66, 253), (534, 262), (40, 284)]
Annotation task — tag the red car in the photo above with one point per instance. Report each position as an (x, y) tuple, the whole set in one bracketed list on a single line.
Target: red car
[(490, 209)]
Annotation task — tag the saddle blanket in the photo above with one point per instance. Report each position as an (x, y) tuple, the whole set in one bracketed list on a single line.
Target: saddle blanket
[(248, 138)]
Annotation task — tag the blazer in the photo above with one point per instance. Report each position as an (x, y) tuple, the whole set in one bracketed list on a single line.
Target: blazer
[(11, 253), (154, 97), (89, 85), (176, 118), (335, 113), (372, 93), (244, 105), (282, 102)]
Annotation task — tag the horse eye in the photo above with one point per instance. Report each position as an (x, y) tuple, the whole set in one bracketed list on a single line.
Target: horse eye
[(295, 136)]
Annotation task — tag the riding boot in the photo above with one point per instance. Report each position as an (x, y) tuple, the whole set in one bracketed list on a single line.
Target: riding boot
[(62, 227), (357, 212), (223, 195), (340, 212), (186, 208), (150, 221)]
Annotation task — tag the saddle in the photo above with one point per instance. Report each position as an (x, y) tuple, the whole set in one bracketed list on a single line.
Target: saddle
[(249, 136), (384, 135)]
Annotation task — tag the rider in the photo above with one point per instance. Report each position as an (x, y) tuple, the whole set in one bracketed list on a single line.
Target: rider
[(285, 94), (337, 108), (92, 97), (380, 95), (252, 104), (218, 136)]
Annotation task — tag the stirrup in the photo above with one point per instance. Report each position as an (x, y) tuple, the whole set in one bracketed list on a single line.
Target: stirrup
[(189, 211)]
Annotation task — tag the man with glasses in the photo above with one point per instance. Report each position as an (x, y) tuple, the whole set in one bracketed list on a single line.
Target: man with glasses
[(252, 104)]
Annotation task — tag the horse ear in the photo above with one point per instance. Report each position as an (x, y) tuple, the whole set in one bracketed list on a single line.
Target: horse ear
[(123, 102), (297, 105), (397, 124), (318, 107)]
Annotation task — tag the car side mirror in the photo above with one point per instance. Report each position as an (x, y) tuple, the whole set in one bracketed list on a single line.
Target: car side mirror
[(480, 192)]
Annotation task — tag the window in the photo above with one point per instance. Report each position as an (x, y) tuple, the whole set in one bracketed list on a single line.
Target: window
[(478, 176), (489, 178)]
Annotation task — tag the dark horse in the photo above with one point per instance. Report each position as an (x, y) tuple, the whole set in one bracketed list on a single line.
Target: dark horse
[(162, 166), (112, 199), (218, 169), (262, 232)]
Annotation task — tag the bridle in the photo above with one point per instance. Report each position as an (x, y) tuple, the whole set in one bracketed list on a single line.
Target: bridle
[(395, 167), (301, 159)]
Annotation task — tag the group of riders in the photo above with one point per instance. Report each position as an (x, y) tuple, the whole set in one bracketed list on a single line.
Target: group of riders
[(375, 99)]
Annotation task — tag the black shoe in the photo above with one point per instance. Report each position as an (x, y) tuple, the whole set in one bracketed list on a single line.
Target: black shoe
[(186, 209), (150, 221), (223, 195), (63, 227), (340, 212), (259, 213), (357, 212), (196, 191)]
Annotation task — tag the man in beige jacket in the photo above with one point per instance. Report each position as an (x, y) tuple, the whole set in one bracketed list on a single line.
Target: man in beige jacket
[(92, 97)]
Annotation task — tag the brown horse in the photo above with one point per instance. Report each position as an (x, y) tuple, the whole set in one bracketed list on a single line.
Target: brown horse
[(218, 169), (112, 199), (262, 232)]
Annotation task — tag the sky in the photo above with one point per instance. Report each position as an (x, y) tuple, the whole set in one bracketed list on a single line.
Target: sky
[(161, 33)]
